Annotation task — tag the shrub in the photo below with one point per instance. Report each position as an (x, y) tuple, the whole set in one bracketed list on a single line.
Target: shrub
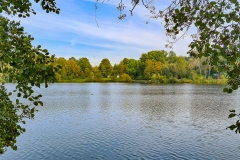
[(126, 78)]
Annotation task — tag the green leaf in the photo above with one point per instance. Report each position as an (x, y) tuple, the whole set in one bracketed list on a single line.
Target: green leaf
[(228, 20), (232, 111), (212, 2), (14, 148), (225, 90), (19, 94), (232, 115), (32, 110), (232, 127), (35, 103), (41, 103), (235, 87)]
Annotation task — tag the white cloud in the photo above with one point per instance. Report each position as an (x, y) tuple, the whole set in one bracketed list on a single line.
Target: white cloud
[(74, 33)]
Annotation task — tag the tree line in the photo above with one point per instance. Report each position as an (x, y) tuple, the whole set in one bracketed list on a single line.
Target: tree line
[(156, 66)]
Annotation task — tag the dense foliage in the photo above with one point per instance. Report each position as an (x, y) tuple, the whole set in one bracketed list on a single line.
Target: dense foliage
[(23, 64), (152, 67)]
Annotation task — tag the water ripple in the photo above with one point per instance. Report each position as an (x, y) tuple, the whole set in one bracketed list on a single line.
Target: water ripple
[(130, 121)]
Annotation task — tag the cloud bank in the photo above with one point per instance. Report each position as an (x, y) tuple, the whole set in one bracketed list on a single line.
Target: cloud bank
[(75, 33)]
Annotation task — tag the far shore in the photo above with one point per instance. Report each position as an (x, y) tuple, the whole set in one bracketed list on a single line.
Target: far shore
[(176, 81)]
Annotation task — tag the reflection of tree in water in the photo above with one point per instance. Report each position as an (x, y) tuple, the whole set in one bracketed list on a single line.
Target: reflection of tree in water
[(103, 97), (127, 98), (166, 102)]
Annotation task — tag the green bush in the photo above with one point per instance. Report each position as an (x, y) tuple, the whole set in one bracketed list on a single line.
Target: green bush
[(126, 78), (162, 79), (113, 78), (185, 80), (172, 80)]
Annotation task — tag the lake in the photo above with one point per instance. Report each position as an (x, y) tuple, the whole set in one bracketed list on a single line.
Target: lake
[(130, 121)]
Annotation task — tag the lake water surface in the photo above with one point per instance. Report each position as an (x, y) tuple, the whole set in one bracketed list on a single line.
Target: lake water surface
[(130, 121)]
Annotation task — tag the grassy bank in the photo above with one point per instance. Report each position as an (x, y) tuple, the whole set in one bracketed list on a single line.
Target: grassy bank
[(166, 81)]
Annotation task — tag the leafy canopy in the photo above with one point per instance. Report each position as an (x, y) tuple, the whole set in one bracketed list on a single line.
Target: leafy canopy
[(105, 67), (25, 65)]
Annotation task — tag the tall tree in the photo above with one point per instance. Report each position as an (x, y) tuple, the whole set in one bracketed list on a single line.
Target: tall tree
[(154, 56), (172, 57), (62, 73), (124, 61), (157, 55), (85, 65), (72, 69), (166, 70), (73, 58), (149, 68), (29, 66), (116, 70), (158, 67), (105, 67), (95, 69), (180, 67), (123, 65), (132, 68)]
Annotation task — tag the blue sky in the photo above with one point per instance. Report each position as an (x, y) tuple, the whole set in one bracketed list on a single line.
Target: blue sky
[(74, 32)]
